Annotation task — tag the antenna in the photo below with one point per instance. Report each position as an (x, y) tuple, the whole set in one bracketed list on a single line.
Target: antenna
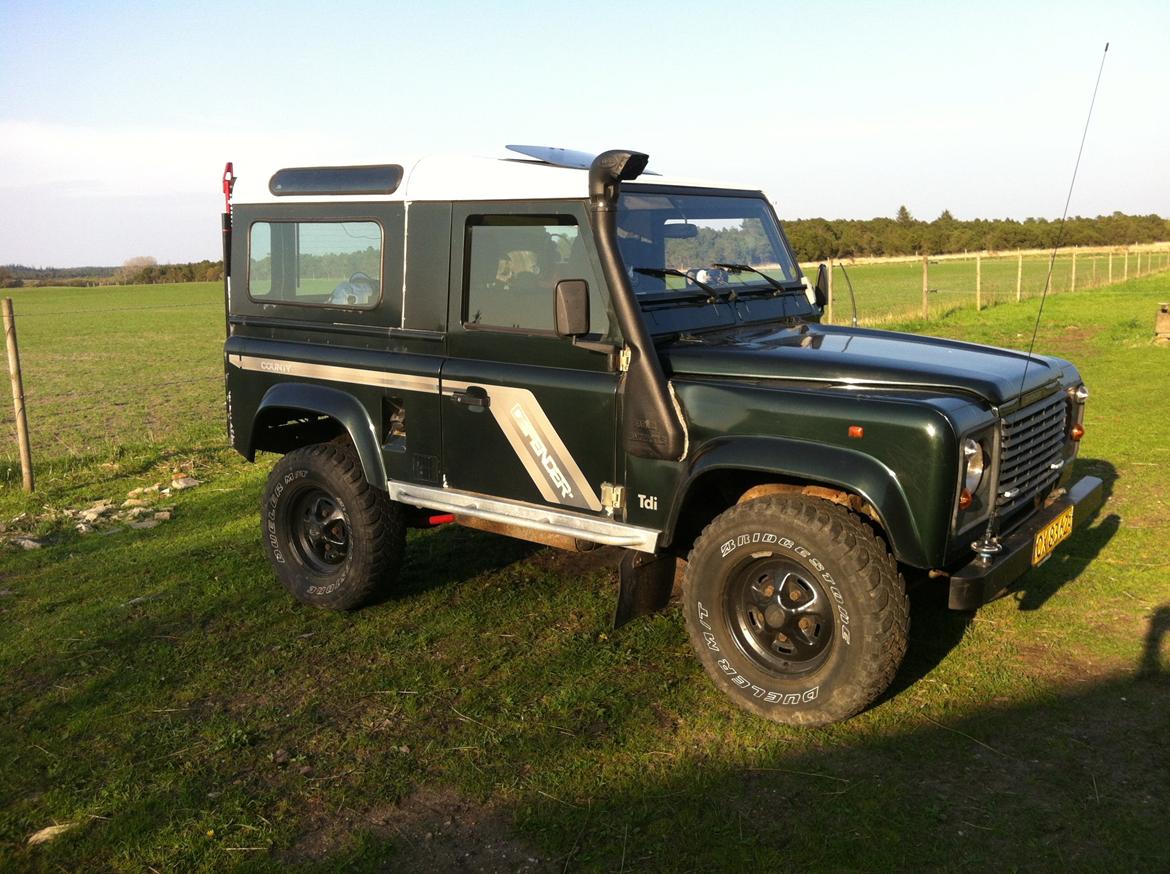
[(988, 545), (852, 297), (1063, 220)]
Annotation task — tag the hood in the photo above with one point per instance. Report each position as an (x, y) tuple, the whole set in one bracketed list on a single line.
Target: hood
[(838, 355)]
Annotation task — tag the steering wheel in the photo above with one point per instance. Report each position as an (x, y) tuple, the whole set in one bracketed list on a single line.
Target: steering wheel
[(359, 275)]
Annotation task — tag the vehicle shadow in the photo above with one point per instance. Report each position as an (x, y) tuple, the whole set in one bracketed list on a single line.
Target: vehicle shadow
[(1070, 560), (449, 554)]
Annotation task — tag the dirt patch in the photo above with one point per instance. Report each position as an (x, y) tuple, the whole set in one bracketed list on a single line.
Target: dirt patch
[(433, 829)]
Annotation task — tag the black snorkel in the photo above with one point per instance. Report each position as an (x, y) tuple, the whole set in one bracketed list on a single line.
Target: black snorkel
[(651, 423)]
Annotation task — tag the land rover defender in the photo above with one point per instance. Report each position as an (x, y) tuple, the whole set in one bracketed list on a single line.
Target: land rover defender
[(575, 351)]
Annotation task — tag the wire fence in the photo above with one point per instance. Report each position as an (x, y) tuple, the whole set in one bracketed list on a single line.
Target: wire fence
[(898, 289), (106, 368)]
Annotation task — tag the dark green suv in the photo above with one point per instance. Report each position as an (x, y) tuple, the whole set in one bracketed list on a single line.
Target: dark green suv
[(573, 351)]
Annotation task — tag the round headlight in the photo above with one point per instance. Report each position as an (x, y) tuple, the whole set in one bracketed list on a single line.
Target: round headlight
[(976, 464), (1081, 394)]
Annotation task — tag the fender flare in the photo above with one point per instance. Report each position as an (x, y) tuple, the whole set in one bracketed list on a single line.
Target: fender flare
[(847, 469), (336, 404)]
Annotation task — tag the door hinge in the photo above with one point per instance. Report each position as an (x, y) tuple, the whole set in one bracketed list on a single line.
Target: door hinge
[(624, 358), (611, 497)]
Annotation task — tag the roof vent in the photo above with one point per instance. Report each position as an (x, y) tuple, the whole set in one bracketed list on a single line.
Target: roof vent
[(367, 179)]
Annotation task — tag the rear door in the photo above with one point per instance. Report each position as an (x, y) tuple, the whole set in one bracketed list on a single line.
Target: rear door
[(526, 415)]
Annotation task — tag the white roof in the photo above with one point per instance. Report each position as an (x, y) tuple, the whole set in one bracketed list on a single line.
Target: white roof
[(464, 177)]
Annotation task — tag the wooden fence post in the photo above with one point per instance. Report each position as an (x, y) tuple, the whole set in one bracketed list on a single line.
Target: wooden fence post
[(1110, 267), (17, 395), (978, 283), (1093, 281), (1125, 275), (1019, 274), (925, 289), (1073, 280)]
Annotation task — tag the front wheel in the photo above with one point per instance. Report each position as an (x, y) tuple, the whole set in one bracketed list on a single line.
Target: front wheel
[(333, 539), (796, 610)]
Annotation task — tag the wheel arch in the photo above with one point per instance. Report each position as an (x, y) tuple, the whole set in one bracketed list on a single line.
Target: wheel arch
[(291, 415), (734, 470)]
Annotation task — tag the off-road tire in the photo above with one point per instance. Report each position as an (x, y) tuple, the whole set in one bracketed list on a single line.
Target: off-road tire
[(329, 476), (830, 550)]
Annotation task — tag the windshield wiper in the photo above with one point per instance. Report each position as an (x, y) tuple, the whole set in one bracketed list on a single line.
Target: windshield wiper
[(712, 295), (781, 287)]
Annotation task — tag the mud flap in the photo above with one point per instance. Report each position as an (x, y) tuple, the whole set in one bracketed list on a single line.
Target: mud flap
[(645, 584)]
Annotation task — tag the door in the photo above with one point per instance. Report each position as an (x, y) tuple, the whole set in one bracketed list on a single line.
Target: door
[(526, 415)]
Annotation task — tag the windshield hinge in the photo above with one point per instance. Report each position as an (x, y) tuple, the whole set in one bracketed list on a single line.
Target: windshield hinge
[(611, 497), (624, 358)]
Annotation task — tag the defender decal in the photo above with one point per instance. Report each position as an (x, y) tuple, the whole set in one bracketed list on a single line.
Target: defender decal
[(536, 443)]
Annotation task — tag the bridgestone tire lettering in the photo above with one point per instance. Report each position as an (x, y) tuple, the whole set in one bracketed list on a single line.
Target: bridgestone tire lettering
[(864, 590)]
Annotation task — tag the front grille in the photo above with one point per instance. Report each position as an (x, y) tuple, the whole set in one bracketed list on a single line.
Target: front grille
[(1033, 442)]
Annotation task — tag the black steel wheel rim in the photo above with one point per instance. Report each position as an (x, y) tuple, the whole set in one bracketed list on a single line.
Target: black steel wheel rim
[(319, 530), (779, 615)]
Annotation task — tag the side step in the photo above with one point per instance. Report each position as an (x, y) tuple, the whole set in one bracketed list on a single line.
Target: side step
[(591, 528)]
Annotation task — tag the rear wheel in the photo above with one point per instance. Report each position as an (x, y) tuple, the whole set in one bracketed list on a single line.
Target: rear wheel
[(796, 609), (333, 539)]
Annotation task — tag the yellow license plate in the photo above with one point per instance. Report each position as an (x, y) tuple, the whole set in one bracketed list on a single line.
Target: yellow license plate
[(1051, 536)]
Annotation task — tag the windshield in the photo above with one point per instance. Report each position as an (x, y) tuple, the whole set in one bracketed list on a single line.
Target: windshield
[(676, 242)]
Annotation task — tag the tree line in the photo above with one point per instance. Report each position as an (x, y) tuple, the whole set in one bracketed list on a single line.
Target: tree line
[(143, 270), (817, 239)]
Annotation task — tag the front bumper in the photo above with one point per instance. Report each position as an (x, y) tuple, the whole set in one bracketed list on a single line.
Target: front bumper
[(977, 583)]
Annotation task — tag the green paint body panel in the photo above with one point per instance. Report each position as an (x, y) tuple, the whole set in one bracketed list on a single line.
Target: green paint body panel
[(772, 399)]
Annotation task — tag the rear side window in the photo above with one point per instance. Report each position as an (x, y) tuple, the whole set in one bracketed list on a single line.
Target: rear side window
[(326, 263), (513, 265)]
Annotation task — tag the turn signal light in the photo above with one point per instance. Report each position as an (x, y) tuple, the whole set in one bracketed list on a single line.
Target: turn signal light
[(856, 432), (965, 499), (1078, 431)]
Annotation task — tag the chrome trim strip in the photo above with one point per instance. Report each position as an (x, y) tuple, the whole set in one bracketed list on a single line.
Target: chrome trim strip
[(333, 373), (593, 529)]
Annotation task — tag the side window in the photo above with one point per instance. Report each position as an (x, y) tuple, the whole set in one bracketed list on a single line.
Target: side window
[(326, 263), (513, 263)]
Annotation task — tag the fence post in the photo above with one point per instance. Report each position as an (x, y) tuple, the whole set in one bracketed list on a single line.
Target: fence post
[(1125, 275), (830, 303), (17, 395), (978, 283), (1110, 267), (925, 289), (1019, 274), (1093, 281), (1072, 283)]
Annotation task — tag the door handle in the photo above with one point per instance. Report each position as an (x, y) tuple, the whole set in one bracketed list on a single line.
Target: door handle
[(474, 397)]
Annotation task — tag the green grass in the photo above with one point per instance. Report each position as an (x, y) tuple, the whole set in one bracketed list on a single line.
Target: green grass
[(1030, 737)]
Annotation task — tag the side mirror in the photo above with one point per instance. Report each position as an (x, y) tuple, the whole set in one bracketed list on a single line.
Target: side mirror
[(572, 308), (821, 289)]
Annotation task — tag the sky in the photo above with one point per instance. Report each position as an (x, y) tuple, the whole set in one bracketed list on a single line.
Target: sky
[(116, 118)]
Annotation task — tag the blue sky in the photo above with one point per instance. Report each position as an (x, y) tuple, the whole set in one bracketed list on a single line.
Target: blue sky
[(116, 118)]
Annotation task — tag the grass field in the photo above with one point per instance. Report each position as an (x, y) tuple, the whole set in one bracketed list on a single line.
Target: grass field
[(160, 694)]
